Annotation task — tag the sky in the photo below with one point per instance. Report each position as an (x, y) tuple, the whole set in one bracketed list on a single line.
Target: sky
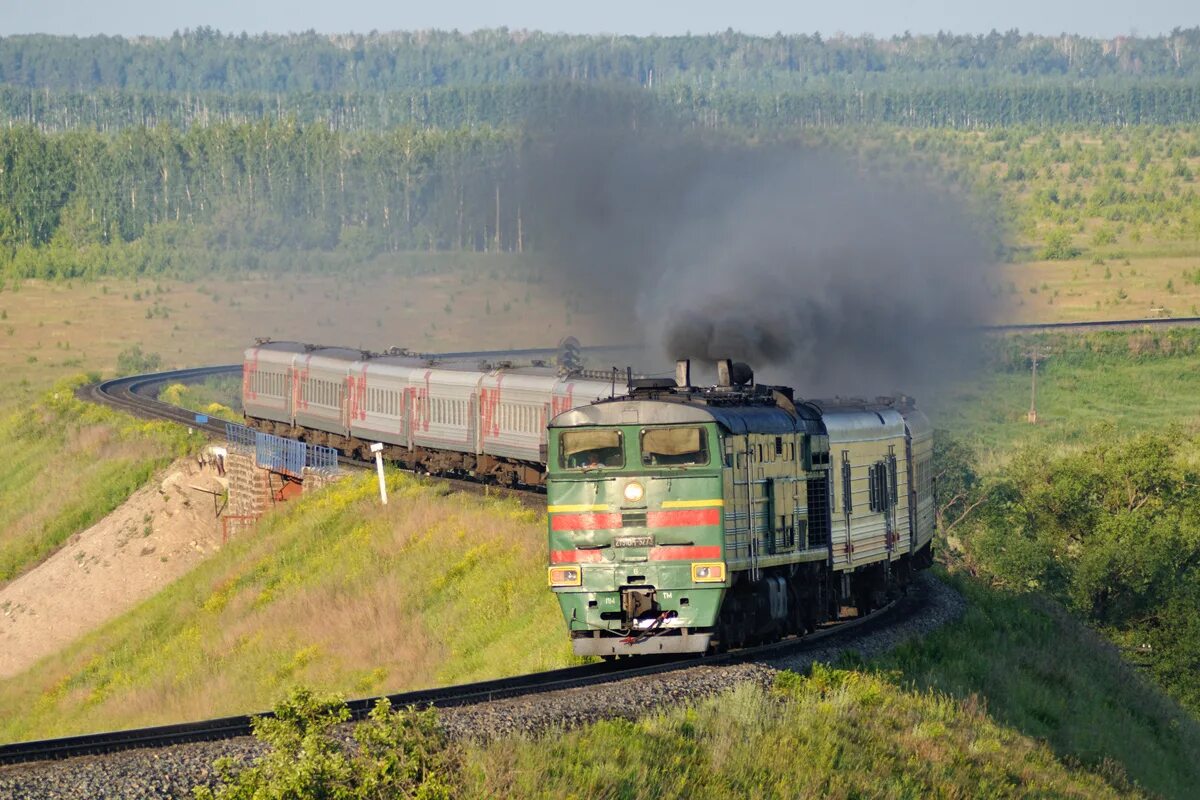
[(1103, 18)]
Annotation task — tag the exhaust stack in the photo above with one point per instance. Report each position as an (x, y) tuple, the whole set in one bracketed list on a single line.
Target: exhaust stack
[(724, 373), (683, 373), (733, 373)]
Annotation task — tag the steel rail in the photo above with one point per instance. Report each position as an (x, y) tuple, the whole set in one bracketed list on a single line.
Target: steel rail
[(1095, 324), (481, 692), (137, 395)]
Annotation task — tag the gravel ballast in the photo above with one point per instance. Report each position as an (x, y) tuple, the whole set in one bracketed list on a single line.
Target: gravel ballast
[(171, 772)]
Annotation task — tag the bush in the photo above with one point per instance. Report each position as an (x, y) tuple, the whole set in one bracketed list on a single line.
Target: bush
[(132, 361), (1113, 531), (1059, 246), (399, 754)]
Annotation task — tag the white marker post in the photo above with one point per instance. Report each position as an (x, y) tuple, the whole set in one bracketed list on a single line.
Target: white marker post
[(377, 449)]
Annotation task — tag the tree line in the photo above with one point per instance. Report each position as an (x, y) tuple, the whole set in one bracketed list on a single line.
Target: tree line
[(262, 186), (70, 202), (1112, 103), (208, 60)]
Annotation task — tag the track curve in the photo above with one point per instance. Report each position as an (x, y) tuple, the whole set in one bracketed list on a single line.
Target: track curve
[(132, 394), (452, 696)]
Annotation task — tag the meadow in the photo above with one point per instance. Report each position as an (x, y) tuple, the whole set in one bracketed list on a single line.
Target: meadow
[(1109, 383), (51, 330), (333, 591)]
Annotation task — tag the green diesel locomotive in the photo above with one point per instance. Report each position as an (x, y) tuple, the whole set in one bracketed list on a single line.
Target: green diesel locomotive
[(684, 518)]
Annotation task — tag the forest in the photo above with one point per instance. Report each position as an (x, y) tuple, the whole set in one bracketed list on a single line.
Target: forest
[(208, 60), (499, 77), (165, 200)]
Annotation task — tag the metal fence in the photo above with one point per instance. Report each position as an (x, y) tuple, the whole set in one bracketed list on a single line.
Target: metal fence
[(239, 436), (287, 456), (323, 459), (280, 455)]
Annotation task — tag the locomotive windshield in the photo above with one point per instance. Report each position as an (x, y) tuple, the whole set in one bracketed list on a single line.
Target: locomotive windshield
[(590, 449), (674, 447)]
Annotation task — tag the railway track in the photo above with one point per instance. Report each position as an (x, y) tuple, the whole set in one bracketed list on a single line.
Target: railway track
[(225, 728), (1096, 325), (136, 395)]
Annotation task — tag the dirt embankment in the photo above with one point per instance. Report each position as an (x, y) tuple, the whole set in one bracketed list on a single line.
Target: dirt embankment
[(161, 532)]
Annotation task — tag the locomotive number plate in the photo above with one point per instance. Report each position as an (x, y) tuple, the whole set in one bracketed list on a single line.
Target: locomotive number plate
[(634, 541)]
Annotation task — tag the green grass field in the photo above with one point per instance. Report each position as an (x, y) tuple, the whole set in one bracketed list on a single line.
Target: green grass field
[(1109, 384), (333, 591)]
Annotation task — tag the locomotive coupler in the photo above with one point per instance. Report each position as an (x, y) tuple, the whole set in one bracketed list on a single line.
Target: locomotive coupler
[(638, 604)]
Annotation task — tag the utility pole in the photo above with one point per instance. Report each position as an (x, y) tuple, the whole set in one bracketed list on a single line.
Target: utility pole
[(1032, 416), (1034, 355)]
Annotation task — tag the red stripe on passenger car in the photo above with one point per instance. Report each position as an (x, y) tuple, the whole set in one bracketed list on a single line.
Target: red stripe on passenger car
[(677, 519), (575, 556), (584, 522), (685, 553)]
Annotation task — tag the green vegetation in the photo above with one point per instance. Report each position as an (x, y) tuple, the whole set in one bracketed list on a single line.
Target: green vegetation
[(65, 464), (1095, 505), (399, 754), (834, 734), (219, 397), (449, 79), (262, 196), (1037, 669), (1110, 384), (333, 591), (132, 361), (1112, 529), (1014, 700)]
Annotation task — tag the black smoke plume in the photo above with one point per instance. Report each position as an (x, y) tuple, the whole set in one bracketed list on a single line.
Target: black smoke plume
[(817, 271)]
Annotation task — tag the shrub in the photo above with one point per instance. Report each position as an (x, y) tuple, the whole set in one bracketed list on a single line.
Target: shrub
[(399, 754), (1059, 246), (132, 361)]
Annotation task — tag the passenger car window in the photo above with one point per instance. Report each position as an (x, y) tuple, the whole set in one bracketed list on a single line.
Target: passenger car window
[(590, 449), (674, 447)]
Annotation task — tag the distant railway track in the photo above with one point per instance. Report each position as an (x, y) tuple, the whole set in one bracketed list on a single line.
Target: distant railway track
[(225, 728), (1096, 325), (138, 395)]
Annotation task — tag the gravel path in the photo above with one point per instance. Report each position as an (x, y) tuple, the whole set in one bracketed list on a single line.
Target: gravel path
[(171, 772)]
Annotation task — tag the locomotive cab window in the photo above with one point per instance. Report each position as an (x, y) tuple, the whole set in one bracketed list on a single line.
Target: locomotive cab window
[(591, 449), (674, 447)]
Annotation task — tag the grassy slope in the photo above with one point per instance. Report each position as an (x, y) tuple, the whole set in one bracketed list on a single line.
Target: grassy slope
[(836, 734), (334, 592), (1014, 700), (64, 464), (1037, 669)]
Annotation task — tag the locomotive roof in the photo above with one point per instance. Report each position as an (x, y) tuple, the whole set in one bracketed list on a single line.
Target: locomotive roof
[(857, 425), (760, 411), (283, 347), (736, 419)]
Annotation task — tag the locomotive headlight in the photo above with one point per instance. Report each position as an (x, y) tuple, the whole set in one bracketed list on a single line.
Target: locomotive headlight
[(708, 573), (634, 492), (566, 576)]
